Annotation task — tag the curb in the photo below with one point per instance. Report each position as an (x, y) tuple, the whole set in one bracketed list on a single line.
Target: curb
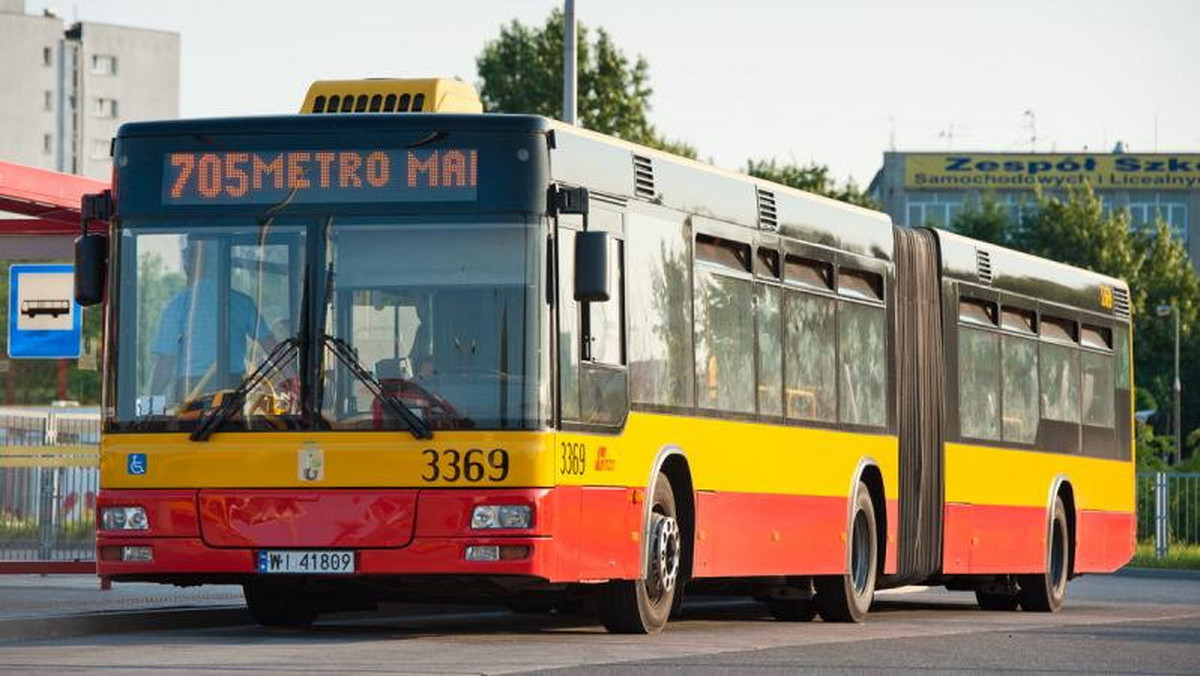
[(71, 626), (1160, 573)]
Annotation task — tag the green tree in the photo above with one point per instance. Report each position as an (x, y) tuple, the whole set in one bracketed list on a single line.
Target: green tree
[(989, 222), (1077, 230), (812, 177), (521, 72)]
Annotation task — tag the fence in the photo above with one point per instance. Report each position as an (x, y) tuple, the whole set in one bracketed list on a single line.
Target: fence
[(49, 478), (1168, 510)]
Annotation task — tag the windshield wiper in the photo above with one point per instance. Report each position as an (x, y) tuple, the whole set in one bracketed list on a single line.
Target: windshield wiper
[(345, 354), (276, 358)]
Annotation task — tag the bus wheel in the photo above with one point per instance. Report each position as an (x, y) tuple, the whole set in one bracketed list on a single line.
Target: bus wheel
[(1045, 592), (279, 606), (643, 606), (846, 598)]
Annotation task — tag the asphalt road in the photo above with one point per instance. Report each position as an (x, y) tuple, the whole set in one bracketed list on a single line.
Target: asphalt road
[(1130, 623)]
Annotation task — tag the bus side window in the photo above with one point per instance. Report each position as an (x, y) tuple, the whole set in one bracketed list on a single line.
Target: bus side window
[(810, 357), (659, 344), (978, 383), (979, 367), (767, 303), (1059, 370), (724, 326), (862, 349), (1019, 367)]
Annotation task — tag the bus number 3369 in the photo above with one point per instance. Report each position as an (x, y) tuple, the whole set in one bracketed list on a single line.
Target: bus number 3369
[(472, 465)]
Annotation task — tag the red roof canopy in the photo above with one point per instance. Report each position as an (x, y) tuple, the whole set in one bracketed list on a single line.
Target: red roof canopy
[(50, 197)]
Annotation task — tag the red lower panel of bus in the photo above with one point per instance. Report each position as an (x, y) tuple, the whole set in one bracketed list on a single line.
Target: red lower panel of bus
[(746, 534), (995, 539), (588, 533)]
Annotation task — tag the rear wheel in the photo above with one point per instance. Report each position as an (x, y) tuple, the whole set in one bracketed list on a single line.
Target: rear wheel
[(1045, 592), (280, 606), (846, 598), (643, 606)]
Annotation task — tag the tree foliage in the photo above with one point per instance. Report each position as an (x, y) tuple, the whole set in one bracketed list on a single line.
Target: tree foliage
[(1075, 229), (812, 177), (521, 72)]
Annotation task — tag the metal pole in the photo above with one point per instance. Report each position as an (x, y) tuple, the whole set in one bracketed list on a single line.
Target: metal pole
[(1178, 426), (569, 75), (1160, 515)]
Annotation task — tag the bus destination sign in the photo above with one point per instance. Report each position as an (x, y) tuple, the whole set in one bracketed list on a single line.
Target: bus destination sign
[(271, 177)]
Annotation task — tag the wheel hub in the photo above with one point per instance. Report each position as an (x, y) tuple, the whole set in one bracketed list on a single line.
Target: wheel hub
[(664, 554)]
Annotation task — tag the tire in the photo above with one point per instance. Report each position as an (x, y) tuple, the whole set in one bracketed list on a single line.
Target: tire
[(280, 606), (847, 598), (644, 606), (792, 611), (988, 601), (1045, 592)]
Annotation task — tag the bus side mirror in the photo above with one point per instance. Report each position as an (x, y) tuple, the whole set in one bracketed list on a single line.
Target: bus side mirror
[(591, 266), (91, 261)]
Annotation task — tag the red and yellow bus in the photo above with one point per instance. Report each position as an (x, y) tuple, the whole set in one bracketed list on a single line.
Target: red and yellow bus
[(393, 348)]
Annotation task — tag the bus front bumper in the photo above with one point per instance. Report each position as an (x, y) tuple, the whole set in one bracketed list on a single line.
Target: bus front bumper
[(394, 532)]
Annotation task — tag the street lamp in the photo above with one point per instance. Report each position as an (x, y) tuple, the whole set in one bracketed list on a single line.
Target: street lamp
[(1162, 311)]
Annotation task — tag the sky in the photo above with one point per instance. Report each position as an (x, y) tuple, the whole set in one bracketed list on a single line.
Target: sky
[(833, 81)]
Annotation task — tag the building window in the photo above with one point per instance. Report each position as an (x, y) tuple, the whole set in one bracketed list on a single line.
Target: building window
[(48, 101), (47, 56), (933, 209), (102, 107), (100, 148), (47, 143), (104, 64), (1146, 210)]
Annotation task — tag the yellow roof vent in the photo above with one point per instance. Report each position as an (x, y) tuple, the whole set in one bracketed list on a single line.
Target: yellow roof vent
[(422, 95)]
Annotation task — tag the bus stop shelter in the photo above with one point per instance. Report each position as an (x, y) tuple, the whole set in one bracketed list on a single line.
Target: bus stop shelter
[(39, 212), (47, 478)]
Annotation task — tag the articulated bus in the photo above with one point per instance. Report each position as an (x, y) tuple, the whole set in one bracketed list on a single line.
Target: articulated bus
[(394, 348)]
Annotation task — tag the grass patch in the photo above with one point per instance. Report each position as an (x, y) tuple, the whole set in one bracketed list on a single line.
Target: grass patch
[(1178, 556)]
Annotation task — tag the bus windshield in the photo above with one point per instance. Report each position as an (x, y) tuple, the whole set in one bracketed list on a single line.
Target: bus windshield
[(442, 314), (436, 316)]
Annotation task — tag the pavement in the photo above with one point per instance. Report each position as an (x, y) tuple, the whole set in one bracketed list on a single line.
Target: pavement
[(57, 606), (1137, 621)]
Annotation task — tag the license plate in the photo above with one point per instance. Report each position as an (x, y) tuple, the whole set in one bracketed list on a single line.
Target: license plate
[(306, 561)]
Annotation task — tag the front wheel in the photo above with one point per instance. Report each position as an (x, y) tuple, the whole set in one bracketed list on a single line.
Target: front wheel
[(644, 606), (846, 598), (1046, 592)]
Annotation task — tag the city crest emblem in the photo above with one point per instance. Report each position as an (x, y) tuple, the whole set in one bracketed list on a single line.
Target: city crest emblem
[(311, 465)]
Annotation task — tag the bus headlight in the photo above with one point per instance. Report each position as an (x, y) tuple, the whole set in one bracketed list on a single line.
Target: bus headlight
[(124, 518), (501, 516)]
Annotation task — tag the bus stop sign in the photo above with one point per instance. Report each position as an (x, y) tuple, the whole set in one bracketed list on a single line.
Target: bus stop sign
[(44, 321)]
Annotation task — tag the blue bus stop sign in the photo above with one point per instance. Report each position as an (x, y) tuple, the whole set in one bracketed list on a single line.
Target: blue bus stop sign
[(44, 321)]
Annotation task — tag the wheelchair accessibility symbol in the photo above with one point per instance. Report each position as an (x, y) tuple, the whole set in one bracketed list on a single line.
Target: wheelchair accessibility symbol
[(135, 463)]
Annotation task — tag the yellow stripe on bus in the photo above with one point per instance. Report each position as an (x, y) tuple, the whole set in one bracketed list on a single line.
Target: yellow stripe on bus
[(997, 476), (723, 455)]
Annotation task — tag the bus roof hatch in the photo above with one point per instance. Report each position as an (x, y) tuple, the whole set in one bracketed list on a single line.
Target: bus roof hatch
[(389, 95)]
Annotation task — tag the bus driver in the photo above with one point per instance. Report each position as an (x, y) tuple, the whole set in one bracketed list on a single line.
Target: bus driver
[(185, 346)]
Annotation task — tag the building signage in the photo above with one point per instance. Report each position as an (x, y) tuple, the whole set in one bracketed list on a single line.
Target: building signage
[(991, 171)]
